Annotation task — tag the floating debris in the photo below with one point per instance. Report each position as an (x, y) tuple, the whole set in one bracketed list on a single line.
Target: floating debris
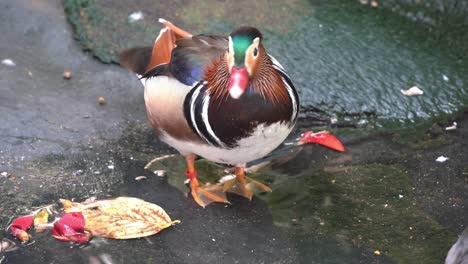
[(6, 245), (101, 100), (8, 62), (160, 173), (110, 167), (377, 252), (226, 178), (41, 221), (157, 159), (139, 178), (20, 226), (4, 174), (445, 77), (442, 159), (374, 3), (67, 75), (413, 91), (135, 16), (452, 127)]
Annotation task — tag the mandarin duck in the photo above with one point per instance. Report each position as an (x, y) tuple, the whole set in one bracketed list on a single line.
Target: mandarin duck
[(222, 98)]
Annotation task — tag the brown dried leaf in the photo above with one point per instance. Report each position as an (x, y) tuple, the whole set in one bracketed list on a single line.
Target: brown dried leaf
[(122, 217)]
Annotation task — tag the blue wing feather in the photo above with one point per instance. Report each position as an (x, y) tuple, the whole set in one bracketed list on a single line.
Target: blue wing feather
[(192, 55)]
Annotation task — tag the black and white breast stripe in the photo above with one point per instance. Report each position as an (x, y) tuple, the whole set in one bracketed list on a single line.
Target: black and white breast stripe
[(289, 86), (196, 106)]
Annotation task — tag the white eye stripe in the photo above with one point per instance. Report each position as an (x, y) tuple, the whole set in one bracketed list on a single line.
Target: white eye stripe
[(230, 53), (252, 48)]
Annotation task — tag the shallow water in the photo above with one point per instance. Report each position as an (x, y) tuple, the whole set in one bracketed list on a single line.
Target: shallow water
[(352, 60)]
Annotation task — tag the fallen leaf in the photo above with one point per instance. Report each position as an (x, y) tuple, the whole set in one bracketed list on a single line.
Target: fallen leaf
[(322, 138), (20, 226), (121, 218), (41, 220), (71, 227)]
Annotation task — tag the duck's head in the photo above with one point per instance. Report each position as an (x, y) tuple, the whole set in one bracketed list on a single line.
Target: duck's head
[(243, 57)]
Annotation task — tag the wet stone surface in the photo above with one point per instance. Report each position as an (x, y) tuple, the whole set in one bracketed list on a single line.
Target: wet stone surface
[(348, 59), (386, 193)]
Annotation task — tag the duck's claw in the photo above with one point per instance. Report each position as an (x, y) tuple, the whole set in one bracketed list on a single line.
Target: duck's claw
[(207, 194)]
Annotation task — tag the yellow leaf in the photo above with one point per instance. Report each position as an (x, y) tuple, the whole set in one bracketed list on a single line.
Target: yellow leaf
[(122, 217), (40, 220)]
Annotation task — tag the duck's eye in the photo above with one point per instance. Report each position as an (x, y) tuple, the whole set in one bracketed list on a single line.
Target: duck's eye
[(255, 52)]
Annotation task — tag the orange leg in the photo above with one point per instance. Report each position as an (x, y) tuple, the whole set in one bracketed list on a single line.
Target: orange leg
[(243, 185), (206, 194)]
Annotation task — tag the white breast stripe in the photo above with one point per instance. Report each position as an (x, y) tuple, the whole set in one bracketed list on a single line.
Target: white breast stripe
[(293, 99), (276, 62), (206, 121), (284, 75), (192, 110)]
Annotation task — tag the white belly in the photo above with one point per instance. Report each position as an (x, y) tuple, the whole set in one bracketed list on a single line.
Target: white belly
[(260, 143)]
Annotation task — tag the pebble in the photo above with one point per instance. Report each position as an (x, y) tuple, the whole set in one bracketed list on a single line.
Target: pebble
[(102, 100), (67, 75)]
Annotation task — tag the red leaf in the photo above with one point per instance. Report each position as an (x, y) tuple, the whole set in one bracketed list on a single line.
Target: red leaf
[(20, 225), (20, 234), (23, 222), (322, 138), (74, 220), (71, 228)]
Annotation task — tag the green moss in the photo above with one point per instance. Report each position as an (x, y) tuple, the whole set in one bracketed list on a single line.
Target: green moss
[(79, 14), (370, 205), (426, 134), (104, 30)]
